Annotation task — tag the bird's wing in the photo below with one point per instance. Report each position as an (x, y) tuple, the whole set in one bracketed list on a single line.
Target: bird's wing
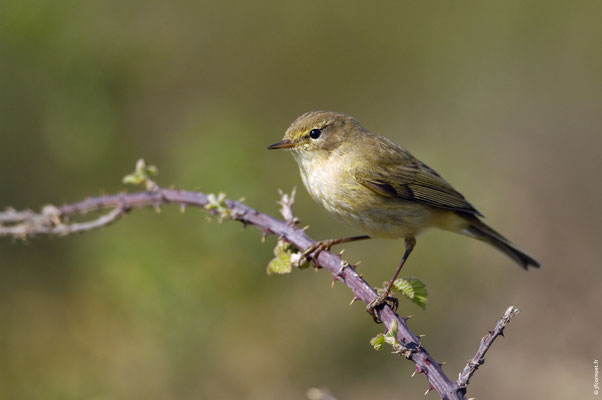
[(409, 179)]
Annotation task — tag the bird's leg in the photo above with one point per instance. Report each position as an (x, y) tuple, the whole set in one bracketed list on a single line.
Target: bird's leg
[(324, 245), (384, 297)]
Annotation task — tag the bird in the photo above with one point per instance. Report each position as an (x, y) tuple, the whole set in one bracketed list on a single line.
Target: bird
[(380, 188)]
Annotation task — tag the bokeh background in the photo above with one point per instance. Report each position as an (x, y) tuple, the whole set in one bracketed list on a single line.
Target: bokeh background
[(502, 98)]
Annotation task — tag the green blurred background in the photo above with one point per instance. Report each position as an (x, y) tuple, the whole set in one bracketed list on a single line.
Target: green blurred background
[(502, 98)]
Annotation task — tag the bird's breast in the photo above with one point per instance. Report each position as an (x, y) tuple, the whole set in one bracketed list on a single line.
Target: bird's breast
[(332, 185), (326, 182)]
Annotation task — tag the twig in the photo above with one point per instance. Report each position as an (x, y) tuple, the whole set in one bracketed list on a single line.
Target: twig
[(54, 221), (486, 342), (12, 216), (49, 222), (286, 207)]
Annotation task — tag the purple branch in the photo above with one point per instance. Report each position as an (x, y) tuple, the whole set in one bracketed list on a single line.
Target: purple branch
[(54, 221), (486, 342)]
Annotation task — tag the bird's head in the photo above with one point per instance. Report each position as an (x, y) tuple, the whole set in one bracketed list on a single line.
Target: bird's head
[(317, 131)]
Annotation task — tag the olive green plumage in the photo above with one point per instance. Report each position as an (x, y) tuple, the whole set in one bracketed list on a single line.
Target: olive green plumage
[(379, 187)]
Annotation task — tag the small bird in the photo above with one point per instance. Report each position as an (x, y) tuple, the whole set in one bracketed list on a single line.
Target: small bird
[(380, 188)]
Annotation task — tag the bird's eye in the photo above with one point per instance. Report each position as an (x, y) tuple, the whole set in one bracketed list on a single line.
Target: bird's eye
[(315, 133)]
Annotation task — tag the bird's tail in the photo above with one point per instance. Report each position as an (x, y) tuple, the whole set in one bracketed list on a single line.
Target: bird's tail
[(479, 230)]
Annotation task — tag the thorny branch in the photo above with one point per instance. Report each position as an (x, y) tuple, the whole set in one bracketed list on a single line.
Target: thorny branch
[(49, 222), (55, 221), (486, 342)]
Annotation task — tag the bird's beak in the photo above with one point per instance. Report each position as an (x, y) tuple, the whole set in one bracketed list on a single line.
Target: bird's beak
[(285, 144)]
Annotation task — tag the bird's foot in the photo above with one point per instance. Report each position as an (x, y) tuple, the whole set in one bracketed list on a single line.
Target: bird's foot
[(382, 298), (313, 251)]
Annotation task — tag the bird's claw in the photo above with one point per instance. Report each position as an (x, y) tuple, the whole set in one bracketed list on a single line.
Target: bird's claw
[(382, 298), (314, 250)]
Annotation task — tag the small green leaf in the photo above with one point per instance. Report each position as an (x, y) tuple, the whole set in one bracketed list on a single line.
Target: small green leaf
[(218, 205), (392, 331), (152, 170), (281, 264), (390, 337), (142, 175), (412, 288), (132, 179), (378, 341), (286, 258)]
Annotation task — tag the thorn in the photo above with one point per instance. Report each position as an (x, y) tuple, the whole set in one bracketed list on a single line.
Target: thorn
[(341, 252), (306, 227), (422, 335), (361, 275), (417, 370), (428, 390), (354, 266), (355, 298), (441, 364), (502, 332), (334, 280), (409, 316)]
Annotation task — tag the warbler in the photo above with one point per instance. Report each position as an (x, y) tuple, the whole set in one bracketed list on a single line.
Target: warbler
[(379, 188)]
